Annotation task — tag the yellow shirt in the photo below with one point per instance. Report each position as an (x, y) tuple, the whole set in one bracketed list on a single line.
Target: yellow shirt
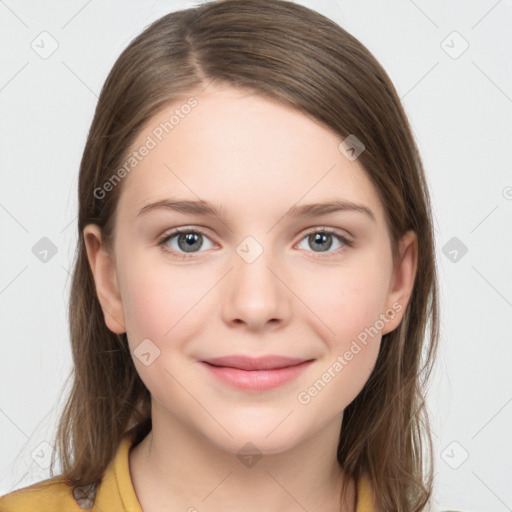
[(115, 493)]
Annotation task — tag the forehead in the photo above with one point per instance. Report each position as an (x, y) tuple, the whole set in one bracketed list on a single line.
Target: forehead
[(244, 151)]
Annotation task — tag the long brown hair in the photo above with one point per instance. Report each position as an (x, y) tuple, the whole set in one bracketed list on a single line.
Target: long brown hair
[(287, 52)]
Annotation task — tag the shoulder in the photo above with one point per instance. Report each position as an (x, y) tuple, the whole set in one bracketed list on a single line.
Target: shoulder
[(53, 494), (365, 499), (113, 491)]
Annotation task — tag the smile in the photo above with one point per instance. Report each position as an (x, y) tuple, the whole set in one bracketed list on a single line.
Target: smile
[(256, 374)]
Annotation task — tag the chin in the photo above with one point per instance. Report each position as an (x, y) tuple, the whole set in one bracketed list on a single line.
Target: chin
[(247, 443), (269, 435)]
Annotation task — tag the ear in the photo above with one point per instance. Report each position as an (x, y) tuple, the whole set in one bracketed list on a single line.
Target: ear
[(105, 278), (402, 282)]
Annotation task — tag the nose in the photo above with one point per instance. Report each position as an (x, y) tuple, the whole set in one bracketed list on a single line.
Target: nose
[(256, 295)]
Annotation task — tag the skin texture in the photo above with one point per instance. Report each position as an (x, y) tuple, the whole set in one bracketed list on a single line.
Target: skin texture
[(256, 158)]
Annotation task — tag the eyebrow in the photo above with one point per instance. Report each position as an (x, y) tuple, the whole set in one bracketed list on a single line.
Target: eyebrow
[(205, 208)]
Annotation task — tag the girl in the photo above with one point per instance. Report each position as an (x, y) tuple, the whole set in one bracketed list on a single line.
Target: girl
[(254, 278)]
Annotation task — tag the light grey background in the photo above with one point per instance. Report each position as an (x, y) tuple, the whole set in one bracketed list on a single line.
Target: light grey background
[(460, 109)]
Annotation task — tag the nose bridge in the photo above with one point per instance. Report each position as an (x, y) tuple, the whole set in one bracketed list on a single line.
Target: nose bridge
[(256, 295)]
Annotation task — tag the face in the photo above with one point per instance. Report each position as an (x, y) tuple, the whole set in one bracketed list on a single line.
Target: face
[(261, 320)]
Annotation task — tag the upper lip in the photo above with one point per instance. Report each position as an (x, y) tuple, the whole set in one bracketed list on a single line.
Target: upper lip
[(270, 362)]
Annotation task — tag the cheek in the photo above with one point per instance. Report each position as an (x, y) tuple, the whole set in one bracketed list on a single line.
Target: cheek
[(339, 381), (354, 347), (347, 301), (166, 306), (160, 300), (346, 316), (352, 342)]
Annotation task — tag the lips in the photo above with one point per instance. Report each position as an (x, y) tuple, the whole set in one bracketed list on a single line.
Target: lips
[(255, 363), (256, 374)]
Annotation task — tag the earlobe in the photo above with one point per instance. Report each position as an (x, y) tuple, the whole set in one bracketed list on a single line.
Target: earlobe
[(402, 283), (105, 279)]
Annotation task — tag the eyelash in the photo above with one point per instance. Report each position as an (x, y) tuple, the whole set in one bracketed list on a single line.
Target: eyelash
[(325, 231)]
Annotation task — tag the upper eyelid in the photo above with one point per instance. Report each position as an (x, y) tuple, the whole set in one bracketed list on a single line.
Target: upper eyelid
[(305, 232)]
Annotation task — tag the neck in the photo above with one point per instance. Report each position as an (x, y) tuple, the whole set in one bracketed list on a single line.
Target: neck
[(175, 469)]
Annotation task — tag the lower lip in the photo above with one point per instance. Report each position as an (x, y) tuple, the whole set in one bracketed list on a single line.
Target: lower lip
[(257, 380)]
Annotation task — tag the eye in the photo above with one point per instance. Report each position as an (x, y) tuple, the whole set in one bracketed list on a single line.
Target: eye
[(185, 242), (323, 239)]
